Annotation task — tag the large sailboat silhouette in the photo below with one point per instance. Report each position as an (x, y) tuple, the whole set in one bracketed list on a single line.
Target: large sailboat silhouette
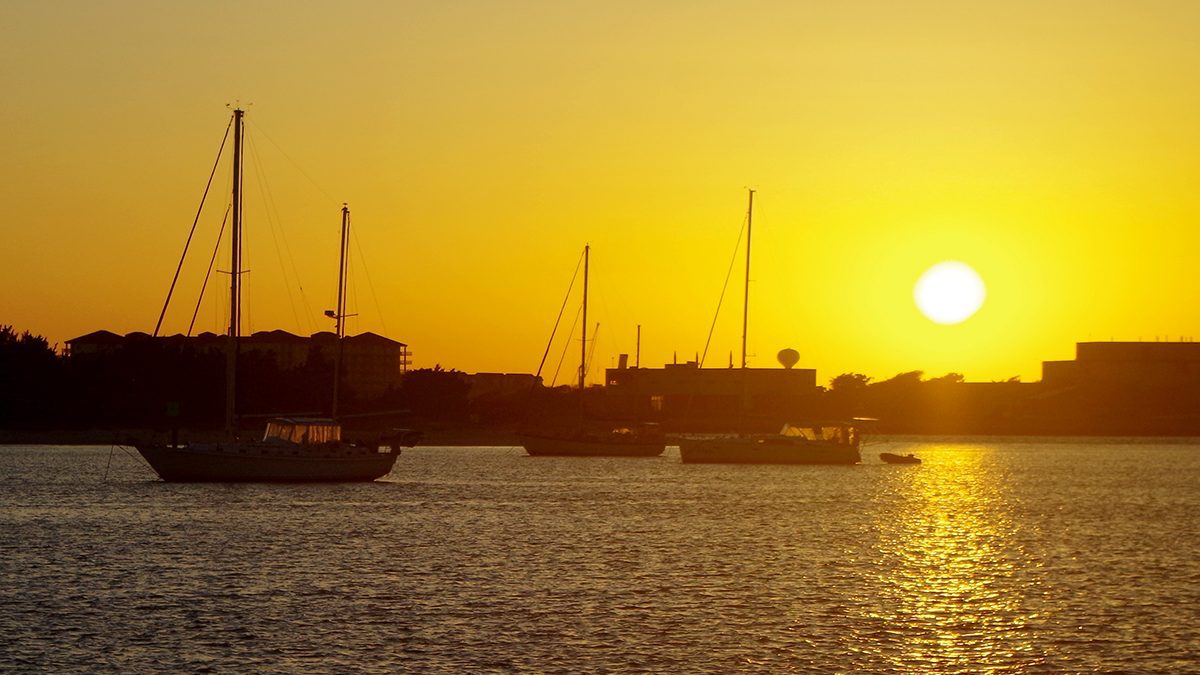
[(300, 449)]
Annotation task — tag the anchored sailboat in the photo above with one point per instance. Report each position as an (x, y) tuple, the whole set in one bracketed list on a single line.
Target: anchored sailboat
[(584, 442), (813, 443), (294, 448)]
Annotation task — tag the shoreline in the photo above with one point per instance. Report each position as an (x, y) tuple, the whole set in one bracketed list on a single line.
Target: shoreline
[(450, 438), (432, 438)]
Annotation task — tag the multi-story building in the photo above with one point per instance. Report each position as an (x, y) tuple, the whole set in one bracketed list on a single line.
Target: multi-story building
[(371, 364)]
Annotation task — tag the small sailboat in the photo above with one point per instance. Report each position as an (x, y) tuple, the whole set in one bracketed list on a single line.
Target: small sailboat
[(822, 443), (294, 449), (583, 441)]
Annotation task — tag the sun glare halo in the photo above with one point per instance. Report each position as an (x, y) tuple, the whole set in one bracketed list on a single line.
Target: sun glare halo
[(950, 292)]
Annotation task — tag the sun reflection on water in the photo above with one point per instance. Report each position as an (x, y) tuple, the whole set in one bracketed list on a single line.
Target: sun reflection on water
[(948, 556)]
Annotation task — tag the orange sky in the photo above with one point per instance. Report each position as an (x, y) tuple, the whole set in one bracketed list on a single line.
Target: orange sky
[(1052, 146)]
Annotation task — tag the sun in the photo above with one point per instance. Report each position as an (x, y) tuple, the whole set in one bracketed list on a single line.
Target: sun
[(949, 292)]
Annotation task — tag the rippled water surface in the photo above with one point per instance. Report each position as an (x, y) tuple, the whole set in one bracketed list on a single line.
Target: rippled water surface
[(989, 556)]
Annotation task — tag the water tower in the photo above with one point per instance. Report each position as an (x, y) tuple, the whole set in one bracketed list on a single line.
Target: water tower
[(788, 357)]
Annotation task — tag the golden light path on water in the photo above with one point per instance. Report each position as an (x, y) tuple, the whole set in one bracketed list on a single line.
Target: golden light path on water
[(996, 556), (948, 553)]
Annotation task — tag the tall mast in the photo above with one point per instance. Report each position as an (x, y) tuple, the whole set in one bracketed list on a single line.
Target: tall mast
[(583, 345), (235, 272), (746, 298), (340, 318)]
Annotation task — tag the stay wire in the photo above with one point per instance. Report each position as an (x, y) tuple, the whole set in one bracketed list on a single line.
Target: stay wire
[(558, 320), (275, 225), (724, 288), (367, 273), (211, 262), (566, 347), (196, 220), (587, 366), (294, 162), (607, 313)]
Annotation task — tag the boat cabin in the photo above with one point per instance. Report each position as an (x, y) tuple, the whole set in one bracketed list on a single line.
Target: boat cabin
[(303, 430), (845, 434)]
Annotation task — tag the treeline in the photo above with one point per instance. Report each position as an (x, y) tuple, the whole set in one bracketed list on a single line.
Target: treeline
[(911, 404)]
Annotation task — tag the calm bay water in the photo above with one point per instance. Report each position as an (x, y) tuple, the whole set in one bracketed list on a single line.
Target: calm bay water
[(990, 556)]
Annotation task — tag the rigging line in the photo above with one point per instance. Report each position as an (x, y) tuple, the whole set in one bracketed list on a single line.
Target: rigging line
[(186, 245), (135, 457), (351, 289), (566, 347), (212, 261), (587, 366), (287, 250), (274, 224), (608, 316), (294, 162), (111, 450), (367, 273), (723, 289), (559, 319), (219, 309), (606, 309)]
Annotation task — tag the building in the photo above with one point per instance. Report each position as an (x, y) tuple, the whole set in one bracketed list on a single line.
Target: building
[(371, 364), (98, 342), (685, 397), (1126, 364), (1123, 388)]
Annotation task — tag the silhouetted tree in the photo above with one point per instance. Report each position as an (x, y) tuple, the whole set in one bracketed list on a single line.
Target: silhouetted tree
[(30, 374), (908, 379), (849, 382), (846, 396), (948, 378), (436, 394)]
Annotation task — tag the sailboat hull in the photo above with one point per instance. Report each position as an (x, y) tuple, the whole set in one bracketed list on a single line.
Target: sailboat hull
[(766, 451), (550, 446), (250, 462)]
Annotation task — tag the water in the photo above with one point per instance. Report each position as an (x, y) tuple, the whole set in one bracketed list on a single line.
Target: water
[(990, 556)]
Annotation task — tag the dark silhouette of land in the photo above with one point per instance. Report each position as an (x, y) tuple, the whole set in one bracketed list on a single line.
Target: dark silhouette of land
[(144, 383)]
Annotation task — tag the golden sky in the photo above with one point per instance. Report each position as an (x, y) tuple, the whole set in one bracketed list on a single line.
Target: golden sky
[(1053, 146)]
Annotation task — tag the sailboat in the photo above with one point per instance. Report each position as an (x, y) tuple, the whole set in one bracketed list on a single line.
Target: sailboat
[(292, 449), (810, 443), (588, 442)]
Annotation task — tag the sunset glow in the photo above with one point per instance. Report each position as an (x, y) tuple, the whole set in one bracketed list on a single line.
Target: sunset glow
[(1053, 147)]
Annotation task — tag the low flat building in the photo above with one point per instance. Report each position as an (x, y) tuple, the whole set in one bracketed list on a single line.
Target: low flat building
[(685, 397), (1116, 364)]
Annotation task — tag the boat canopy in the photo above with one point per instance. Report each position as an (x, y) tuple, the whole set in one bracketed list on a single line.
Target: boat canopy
[(820, 432), (303, 430)]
